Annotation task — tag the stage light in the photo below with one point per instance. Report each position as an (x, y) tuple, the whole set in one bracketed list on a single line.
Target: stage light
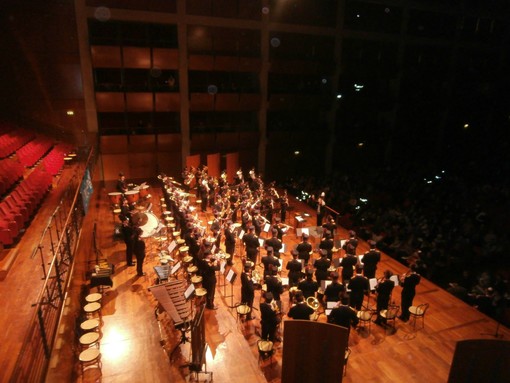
[(339, 96), (360, 144), (70, 112), (297, 152), (466, 126)]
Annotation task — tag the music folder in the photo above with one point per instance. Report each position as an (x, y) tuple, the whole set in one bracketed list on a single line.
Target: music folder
[(231, 276), (325, 283), (188, 293)]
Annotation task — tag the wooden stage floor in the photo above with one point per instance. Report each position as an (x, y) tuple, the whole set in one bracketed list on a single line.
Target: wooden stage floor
[(135, 347)]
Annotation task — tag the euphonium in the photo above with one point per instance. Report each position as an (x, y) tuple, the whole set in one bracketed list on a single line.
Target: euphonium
[(313, 303)]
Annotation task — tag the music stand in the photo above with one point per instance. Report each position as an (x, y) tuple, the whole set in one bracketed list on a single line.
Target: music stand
[(231, 277)]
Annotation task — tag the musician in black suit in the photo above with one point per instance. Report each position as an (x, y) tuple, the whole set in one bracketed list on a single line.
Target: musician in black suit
[(309, 287), (284, 205), (327, 244), (122, 184), (207, 266), (383, 289), (359, 286), (409, 282), (251, 242), (270, 262), (304, 249), (334, 289), (274, 242), (203, 189), (343, 315), (278, 226), (353, 241), (321, 267), (258, 222), (127, 235), (274, 286), (370, 261), (330, 225), (348, 263), (247, 290), (295, 267), (269, 318), (230, 241), (139, 250), (300, 310)]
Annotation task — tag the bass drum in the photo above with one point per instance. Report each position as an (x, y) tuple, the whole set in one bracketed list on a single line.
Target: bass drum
[(149, 224)]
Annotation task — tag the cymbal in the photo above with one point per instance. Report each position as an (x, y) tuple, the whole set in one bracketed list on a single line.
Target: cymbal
[(139, 219)]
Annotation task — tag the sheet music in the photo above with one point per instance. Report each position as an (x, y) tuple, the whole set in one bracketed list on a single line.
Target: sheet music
[(189, 291), (230, 275), (342, 242), (373, 283), (171, 247), (241, 234), (285, 281), (328, 312), (261, 242), (176, 267), (299, 218), (394, 278), (267, 226), (280, 261), (331, 305), (360, 257), (325, 283), (282, 250)]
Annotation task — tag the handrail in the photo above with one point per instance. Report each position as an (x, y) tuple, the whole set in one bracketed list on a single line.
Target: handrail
[(33, 359)]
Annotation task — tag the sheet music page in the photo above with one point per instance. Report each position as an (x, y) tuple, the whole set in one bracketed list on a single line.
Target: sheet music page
[(373, 283), (171, 247), (241, 234)]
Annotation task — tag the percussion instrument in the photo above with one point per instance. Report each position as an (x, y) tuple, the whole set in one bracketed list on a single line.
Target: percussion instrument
[(132, 196), (143, 191), (151, 225), (169, 219), (192, 269), (196, 279), (236, 225), (188, 259), (114, 198), (167, 212), (180, 241), (183, 249), (200, 292)]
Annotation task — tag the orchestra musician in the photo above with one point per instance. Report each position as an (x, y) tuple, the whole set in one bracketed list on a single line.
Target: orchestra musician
[(295, 267), (284, 205), (359, 286), (384, 288), (230, 241), (330, 225), (251, 242), (300, 310), (258, 222), (274, 285), (127, 232), (247, 290), (349, 261), (203, 188), (327, 244), (321, 266), (308, 286), (370, 260), (304, 249), (270, 318), (270, 262), (274, 243), (352, 241), (122, 186), (139, 250), (343, 315), (278, 226), (207, 266), (334, 289), (408, 281)]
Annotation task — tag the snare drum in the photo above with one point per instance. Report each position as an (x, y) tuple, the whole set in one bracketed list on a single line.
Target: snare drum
[(150, 228), (144, 191), (115, 198), (132, 196)]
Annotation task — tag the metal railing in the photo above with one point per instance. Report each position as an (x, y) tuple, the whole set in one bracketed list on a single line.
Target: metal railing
[(56, 248)]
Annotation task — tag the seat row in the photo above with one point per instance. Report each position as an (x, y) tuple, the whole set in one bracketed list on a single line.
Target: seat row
[(18, 208), (13, 139), (54, 161), (33, 151), (11, 171)]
